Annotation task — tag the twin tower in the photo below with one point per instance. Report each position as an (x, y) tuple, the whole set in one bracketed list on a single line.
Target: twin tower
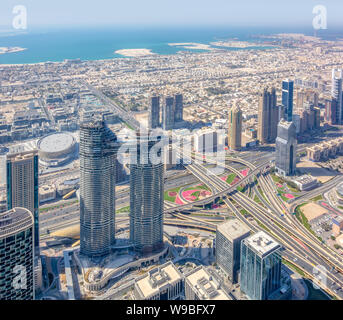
[(98, 155)]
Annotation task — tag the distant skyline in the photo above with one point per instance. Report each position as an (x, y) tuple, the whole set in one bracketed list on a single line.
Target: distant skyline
[(171, 13)]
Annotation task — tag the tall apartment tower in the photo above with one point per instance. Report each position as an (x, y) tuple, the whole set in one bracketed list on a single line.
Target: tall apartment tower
[(286, 149), (260, 266), (146, 195), (98, 150), (17, 255), (336, 93), (178, 108), (168, 114), (268, 114), (154, 114), (287, 99), (229, 236), (235, 128), (23, 186)]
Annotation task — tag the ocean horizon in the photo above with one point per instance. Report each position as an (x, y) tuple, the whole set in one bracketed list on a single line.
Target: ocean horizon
[(57, 45)]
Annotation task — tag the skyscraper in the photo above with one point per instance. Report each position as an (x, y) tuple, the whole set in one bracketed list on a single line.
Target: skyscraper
[(168, 114), (330, 111), (286, 149), (97, 188), (336, 93), (287, 98), (16, 255), (178, 109), (154, 114), (146, 195), (22, 186), (260, 266), (229, 236), (267, 116), (235, 128)]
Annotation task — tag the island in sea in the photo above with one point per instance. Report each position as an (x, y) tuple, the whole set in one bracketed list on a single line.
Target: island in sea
[(192, 46), (4, 50), (134, 52)]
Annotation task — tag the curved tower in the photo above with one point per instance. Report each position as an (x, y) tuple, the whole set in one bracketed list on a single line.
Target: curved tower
[(97, 188), (16, 255), (146, 195)]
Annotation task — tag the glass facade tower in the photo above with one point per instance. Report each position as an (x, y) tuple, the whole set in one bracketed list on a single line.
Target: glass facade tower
[(98, 150), (146, 195), (23, 187), (17, 255), (287, 99), (260, 266)]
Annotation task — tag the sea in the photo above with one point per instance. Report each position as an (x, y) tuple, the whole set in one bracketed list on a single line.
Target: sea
[(56, 45)]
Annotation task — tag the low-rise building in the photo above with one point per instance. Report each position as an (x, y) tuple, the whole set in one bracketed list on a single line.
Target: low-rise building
[(201, 285), (162, 283), (306, 182), (47, 193), (325, 150), (337, 225)]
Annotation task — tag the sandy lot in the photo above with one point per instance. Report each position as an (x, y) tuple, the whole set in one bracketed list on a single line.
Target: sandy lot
[(313, 169), (313, 211), (134, 52)]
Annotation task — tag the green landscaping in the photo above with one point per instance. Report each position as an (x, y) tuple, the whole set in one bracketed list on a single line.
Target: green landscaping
[(170, 198), (291, 186), (317, 198), (59, 206), (301, 217), (123, 209), (293, 267), (230, 178), (201, 186)]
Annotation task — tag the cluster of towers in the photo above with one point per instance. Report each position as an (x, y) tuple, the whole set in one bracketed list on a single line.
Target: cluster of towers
[(19, 228), (172, 112), (98, 152), (275, 124)]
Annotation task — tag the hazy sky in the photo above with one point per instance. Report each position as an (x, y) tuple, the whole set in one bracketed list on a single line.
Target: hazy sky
[(284, 13)]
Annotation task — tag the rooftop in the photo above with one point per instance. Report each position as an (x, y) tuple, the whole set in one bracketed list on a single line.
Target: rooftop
[(150, 283), (56, 142), (15, 220), (205, 285), (233, 229), (262, 243)]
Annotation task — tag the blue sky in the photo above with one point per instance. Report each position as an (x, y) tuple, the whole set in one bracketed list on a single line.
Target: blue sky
[(284, 13)]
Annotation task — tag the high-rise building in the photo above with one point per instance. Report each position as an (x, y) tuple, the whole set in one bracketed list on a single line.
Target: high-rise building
[(229, 236), (168, 114), (235, 128), (154, 113), (146, 194), (17, 255), (330, 111), (336, 93), (206, 141), (98, 150), (267, 116), (23, 187), (260, 266), (286, 149), (287, 98), (178, 109)]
